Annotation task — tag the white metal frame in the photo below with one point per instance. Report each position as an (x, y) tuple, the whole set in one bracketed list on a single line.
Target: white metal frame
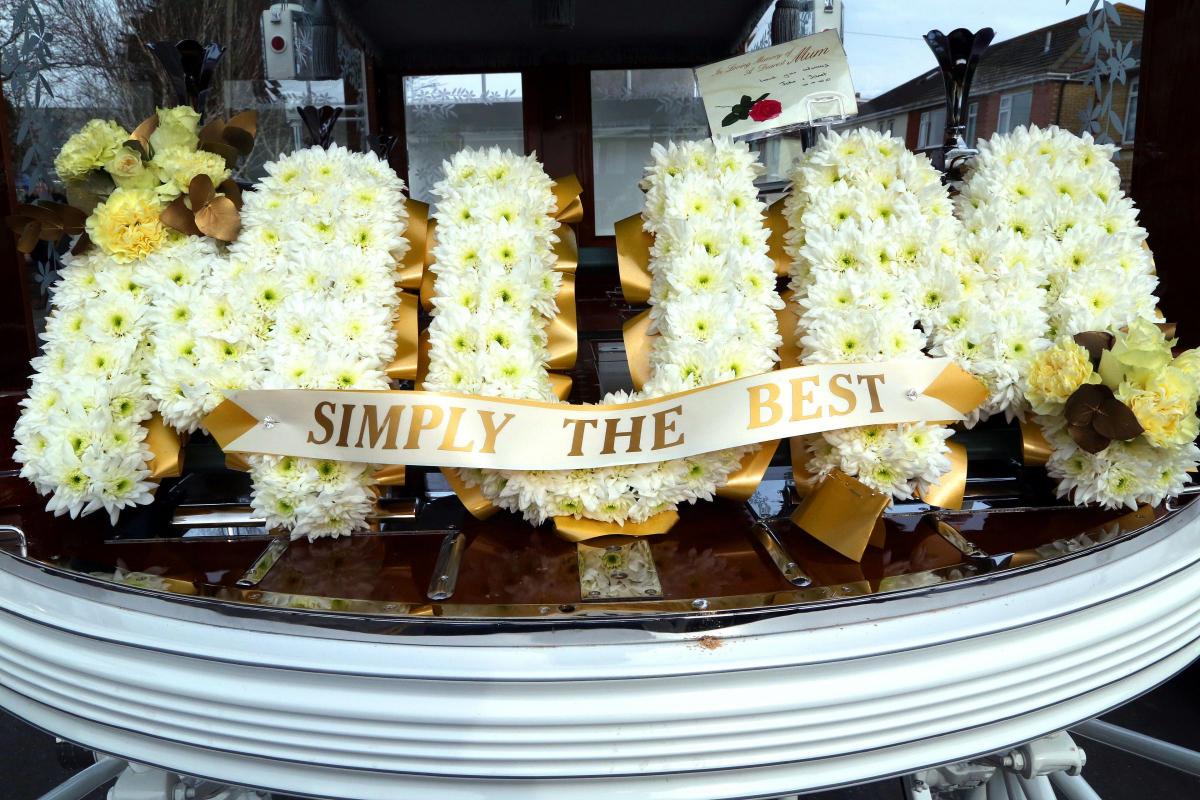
[(694, 706)]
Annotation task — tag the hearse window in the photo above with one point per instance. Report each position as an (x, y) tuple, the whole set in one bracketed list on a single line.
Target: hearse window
[(445, 113), (631, 110)]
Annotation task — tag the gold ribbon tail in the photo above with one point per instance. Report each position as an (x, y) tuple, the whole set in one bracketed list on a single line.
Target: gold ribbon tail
[(841, 513), (1035, 449), (580, 530), (166, 448), (744, 481), (471, 496), (227, 422), (958, 389), (950, 489)]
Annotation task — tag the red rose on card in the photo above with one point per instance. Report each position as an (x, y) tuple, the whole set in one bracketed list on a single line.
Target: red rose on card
[(764, 110)]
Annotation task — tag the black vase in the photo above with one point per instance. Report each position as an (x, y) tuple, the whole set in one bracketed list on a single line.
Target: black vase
[(958, 54)]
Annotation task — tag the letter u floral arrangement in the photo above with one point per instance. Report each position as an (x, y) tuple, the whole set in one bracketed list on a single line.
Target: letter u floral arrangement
[(282, 318)]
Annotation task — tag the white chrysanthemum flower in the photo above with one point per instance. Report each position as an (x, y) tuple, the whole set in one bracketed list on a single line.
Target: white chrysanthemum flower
[(307, 299), (874, 249)]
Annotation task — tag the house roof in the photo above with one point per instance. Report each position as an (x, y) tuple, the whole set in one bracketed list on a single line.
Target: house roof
[(1052, 50)]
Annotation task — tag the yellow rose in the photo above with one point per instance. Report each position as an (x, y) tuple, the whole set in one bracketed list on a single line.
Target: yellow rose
[(1055, 375), (1140, 349), (176, 128), (89, 149), (177, 166), (128, 171), (1165, 405), (126, 225)]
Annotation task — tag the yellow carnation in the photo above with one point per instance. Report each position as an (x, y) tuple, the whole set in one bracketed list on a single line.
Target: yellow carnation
[(1165, 405), (176, 166), (126, 225), (89, 149), (1055, 375), (176, 128)]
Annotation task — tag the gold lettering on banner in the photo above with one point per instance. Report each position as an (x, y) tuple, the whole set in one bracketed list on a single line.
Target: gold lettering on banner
[(871, 380), (344, 430), (448, 444), (634, 435), (491, 430), (758, 402), (662, 428), (838, 388), (321, 414), (802, 395), (425, 418), (374, 431), (577, 435)]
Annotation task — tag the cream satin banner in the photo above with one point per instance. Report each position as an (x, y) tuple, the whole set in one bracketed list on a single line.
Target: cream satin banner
[(454, 430)]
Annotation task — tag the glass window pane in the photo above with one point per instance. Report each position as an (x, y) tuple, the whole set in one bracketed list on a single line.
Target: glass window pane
[(1022, 103), (631, 110), (445, 113)]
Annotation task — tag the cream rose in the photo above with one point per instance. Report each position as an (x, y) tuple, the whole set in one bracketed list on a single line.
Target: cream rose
[(176, 128), (128, 171)]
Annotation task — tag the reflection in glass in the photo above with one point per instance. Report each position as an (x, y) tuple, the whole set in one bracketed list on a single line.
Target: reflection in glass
[(631, 110), (445, 113)]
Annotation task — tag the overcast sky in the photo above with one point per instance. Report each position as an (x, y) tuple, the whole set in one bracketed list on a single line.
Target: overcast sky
[(883, 37)]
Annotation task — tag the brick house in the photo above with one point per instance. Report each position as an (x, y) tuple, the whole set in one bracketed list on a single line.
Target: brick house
[(1036, 78)]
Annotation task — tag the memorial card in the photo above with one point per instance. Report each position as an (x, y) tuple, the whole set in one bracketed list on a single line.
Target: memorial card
[(784, 86)]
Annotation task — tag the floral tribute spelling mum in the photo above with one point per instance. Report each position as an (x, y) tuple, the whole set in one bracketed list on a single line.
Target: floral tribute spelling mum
[(713, 301), (81, 437)]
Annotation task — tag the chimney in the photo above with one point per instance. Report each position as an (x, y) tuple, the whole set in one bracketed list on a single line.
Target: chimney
[(1049, 36)]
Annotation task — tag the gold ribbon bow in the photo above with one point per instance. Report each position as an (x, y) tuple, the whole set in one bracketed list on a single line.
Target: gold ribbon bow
[(204, 212)]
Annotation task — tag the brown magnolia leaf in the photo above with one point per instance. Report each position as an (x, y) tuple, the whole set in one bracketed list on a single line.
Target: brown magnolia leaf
[(29, 237), (219, 219), (1168, 329), (82, 244), (1095, 417), (1115, 420), (1088, 439), (230, 189), (224, 150), (200, 191), (241, 130), (178, 216), (1095, 342)]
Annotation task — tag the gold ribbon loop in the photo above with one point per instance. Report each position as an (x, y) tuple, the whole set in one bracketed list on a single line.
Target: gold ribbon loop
[(563, 330), (427, 276), (566, 250), (405, 326), (412, 266), (633, 258), (568, 207), (636, 334)]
